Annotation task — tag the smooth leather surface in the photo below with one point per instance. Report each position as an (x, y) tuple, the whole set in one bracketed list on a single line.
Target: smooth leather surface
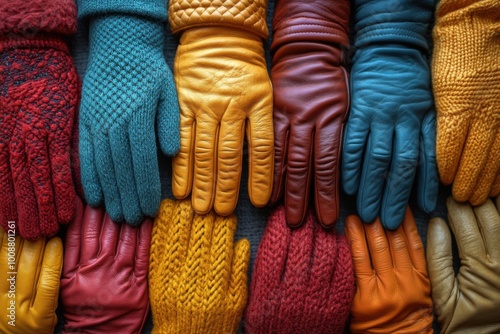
[(393, 289), (390, 134), (224, 93), (469, 301), (311, 100), (38, 265), (104, 286)]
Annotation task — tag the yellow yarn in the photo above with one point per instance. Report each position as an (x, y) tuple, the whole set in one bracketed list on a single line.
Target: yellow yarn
[(198, 275), (466, 80)]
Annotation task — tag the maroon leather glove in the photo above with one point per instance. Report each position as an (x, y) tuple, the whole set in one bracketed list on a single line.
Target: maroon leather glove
[(311, 100), (104, 287)]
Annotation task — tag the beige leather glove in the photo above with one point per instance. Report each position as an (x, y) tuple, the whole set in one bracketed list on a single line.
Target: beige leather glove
[(224, 92), (30, 304), (468, 302)]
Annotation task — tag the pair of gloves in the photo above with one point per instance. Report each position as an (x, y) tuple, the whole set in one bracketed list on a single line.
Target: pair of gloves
[(394, 281)]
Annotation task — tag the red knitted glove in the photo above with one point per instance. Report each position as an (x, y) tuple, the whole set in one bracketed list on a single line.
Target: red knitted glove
[(39, 90), (303, 280)]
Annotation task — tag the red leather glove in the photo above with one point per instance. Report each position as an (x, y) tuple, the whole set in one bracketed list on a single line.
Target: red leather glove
[(39, 92), (311, 100), (104, 286)]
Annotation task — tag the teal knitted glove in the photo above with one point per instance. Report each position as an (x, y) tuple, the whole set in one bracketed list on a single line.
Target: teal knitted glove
[(127, 88)]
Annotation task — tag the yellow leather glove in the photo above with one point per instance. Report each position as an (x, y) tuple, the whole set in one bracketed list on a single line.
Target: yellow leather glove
[(468, 302), (224, 92), (466, 81), (29, 299), (197, 274)]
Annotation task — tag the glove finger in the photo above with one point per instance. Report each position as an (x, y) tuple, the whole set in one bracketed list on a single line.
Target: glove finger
[(355, 233), (106, 169), (463, 224), (260, 139), (28, 222), (10, 250), (62, 178), (427, 174), (28, 266), (476, 151), (374, 176), (487, 177), (8, 208), (229, 163), (141, 263), (401, 175), (47, 290), (127, 246), (121, 149), (355, 140), (168, 118), (183, 162), (281, 138), (299, 170), (39, 168), (145, 164), (238, 286), (110, 234), (414, 243), (90, 177), (73, 241), (489, 225), (91, 234), (327, 144), (399, 249), (378, 247), (440, 263), (205, 156)]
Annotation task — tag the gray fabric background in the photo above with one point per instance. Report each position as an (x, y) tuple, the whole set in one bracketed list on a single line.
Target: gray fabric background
[(251, 221)]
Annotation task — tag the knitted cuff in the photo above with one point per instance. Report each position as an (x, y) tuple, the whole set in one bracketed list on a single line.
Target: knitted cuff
[(321, 21), (40, 41), (155, 9), (245, 14), (405, 21), (28, 17)]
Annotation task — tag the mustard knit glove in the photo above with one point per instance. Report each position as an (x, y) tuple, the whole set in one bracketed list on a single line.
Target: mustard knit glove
[(466, 80), (198, 275)]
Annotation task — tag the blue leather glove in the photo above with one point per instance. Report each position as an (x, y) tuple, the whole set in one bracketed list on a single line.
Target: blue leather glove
[(127, 90), (390, 132)]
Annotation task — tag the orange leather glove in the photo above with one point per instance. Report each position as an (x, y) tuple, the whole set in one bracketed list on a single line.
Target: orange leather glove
[(393, 290), (468, 302), (224, 92), (29, 306)]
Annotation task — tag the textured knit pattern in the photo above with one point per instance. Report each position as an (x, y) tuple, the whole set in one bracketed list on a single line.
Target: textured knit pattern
[(38, 99), (466, 81), (30, 17), (156, 9), (303, 280), (245, 14), (127, 91), (197, 274)]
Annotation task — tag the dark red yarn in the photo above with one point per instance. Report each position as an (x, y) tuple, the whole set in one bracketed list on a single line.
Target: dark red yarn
[(39, 91), (303, 280)]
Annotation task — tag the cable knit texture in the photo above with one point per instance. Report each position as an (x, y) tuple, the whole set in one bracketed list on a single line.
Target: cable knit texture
[(128, 93), (466, 81), (245, 14), (155, 9), (303, 280), (197, 274), (38, 100), (22, 17)]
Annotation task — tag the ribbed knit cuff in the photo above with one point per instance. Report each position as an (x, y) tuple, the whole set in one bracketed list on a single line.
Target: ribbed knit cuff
[(29, 17), (155, 9), (244, 14), (41, 41), (319, 21)]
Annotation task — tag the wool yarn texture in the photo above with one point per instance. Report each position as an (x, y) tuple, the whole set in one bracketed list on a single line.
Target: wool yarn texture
[(466, 81), (303, 280), (39, 92), (197, 273)]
